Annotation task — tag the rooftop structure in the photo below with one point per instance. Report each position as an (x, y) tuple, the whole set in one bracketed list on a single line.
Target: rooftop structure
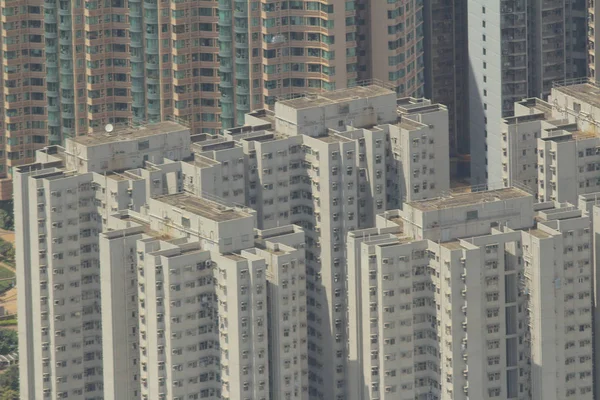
[(128, 133), (467, 199), (336, 97), (202, 207), (587, 92), (521, 54), (183, 201), (550, 147)]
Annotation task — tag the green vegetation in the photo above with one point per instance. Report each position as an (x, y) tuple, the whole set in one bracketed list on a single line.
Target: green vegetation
[(9, 378), (7, 252), (6, 215), (8, 322), (6, 273), (9, 383), (9, 341)]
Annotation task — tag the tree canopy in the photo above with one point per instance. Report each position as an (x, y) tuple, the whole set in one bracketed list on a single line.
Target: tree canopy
[(8, 341)]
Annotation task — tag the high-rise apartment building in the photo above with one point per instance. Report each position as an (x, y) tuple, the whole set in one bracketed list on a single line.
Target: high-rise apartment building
[(517, 49), (466, 296), (552, 147), (313, 253), (592, 35), (23, 117), (446, 69), (330, 163), (270, 50), (327, 163), (73, 67), (196, 302)]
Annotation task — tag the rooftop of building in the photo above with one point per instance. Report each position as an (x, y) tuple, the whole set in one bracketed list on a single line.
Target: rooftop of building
[(273, 249), (203, 207), (128, 133), (145, 227), (409, 124), (534, 104), (201, 161), (582, 135), (467, 199), (587, 92), (333, 138), (267, 115), (118, 176), (453, 245), (337, 96), (214, 144), (567, 133), (234, 256), (538, 233)]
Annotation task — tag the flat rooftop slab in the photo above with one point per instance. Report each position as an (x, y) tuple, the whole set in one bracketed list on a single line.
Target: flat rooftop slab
[(586, 92), (202, 207), (120, 134), (466, 199), (338, 96), (333, 138)]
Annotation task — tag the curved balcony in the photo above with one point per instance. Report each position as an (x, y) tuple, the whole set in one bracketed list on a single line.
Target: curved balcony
[(150, 6), (224, 5), (241, 45), (137, 86), (227, 84), (50, 78), (136, 59), (241, 71), (135, 25), (152, 81), (242, 90), (53, 109), (225, 34), (240, 29), (242, 61), (225, 53), (68, 132), (153, 95), (225, 19), (244, 107), (66, 56), (225, 68), (240, 14)]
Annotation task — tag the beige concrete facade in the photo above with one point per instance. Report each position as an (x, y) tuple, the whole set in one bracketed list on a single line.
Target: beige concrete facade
[(476, 312), (551, 147), (326, 163), (186, 283), (205, 64), (275, 50)]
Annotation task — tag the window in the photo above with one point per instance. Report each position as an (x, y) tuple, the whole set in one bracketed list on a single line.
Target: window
[(471, 215)]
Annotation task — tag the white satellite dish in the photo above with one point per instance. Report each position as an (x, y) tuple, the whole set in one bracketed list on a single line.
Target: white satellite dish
[(109, 128)]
